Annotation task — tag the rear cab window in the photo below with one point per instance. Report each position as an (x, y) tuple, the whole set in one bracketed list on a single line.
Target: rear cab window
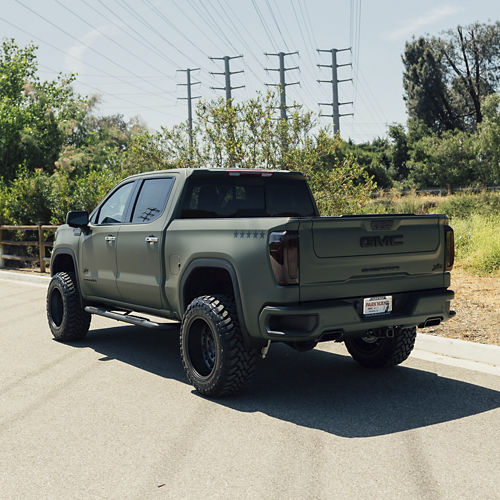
[(152, 199), (229, 195)]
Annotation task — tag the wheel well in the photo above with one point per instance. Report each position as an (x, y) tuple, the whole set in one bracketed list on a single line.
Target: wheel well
[(63, 263), (207, 281)]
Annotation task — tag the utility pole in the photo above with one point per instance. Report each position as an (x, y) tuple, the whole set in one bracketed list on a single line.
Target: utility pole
[(335, 89), (282, 85), (227, 73), (189, 98)]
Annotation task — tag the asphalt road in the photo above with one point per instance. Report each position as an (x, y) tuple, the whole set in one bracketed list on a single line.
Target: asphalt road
[(114, 417)]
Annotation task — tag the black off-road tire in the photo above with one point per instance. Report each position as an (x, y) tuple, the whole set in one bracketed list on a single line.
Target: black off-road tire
[(385, 352), (213, 352), (67, 319)]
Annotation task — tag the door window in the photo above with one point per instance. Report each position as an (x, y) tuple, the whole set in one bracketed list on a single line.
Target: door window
[(113, 209), (152, 200)]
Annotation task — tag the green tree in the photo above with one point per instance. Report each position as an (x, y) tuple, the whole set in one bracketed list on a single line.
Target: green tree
[(445, 78), (36, 117), (248, 135), (245, 134), (425, 86), (472, 54), (374, 157), (441, 160), (487, 142), (398, 152)]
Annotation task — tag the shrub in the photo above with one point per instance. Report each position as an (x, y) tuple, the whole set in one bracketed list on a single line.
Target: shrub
[(27, 200), (465, 204), (477, 243)]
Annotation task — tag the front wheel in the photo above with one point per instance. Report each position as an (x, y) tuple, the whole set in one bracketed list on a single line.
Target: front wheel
[(67, 319), (213, 353), (375, 352)]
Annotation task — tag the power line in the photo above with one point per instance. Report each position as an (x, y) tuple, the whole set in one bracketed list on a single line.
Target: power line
[(111, 39), (357, 36), (302, 90), (145, 43), (215, 23), (373, 98), (299, 24), (306, 25), (55, 47), (264, 24), (172, 25), (99, 91), (80, 42), (243, 25), (191, 21), (152, 28), (229, 23), (228, 10), (277, 24)]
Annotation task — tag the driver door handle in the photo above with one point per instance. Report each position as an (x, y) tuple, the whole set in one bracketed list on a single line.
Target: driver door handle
[(151, 239)]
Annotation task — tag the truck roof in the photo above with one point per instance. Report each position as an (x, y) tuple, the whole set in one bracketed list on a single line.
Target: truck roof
[(186, 172)]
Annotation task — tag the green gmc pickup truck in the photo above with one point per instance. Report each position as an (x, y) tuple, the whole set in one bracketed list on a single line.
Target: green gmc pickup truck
[(241, 258)]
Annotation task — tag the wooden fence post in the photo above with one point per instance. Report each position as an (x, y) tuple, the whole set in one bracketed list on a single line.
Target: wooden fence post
[(41, 248), (1, 249)]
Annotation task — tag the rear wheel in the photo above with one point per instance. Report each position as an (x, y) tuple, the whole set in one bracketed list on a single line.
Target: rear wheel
[(375, 352), (213, 353), (67, 319)]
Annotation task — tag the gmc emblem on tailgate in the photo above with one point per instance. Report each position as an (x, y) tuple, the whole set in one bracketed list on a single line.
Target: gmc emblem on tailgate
[(381, 241)]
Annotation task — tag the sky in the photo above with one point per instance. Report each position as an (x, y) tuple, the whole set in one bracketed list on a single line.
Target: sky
[(129, 52)]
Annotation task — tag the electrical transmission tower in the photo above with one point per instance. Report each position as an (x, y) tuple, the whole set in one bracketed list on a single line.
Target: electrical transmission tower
[(335, 104), (282, 85), (227, 73), (189, 98)]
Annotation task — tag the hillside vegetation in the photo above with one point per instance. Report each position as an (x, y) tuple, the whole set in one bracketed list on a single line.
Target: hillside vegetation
[(57, 155), (475, 218)]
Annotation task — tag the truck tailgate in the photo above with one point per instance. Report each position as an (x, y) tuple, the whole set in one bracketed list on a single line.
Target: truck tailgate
[(353, 256)]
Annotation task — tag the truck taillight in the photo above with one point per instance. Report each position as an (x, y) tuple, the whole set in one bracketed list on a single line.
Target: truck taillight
[(449, 248), (284, 255)]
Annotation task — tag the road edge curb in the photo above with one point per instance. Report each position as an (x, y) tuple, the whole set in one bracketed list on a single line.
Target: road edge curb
[(19, 276), (462, 349)]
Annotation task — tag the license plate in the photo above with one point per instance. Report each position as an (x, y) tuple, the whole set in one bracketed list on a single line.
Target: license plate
[(377, 305)]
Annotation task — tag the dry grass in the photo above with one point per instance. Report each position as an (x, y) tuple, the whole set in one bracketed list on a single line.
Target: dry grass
[(477, 300)]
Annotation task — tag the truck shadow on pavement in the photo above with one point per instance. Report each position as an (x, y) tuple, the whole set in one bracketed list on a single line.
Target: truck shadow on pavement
[(316, 389)]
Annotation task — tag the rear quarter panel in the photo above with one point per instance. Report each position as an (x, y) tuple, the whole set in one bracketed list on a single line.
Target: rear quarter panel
[(243, 243)]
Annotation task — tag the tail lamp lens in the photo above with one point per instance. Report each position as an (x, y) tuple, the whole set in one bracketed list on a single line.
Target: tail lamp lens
[(284, 255), (449, 240)]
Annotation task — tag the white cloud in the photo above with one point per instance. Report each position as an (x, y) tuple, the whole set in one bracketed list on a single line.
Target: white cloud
[(409, 27), (74, 55)]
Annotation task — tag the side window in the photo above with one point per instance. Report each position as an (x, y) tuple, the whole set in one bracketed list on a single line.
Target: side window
[(152, 200), (113, 209)]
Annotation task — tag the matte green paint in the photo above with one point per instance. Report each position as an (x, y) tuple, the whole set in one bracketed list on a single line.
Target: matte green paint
[(146, 276)]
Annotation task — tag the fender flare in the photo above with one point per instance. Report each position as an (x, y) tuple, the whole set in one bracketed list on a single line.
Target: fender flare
[(71, 253), (63, 251), (220, 264)]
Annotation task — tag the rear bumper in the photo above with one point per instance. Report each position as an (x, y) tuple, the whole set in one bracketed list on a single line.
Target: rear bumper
[(317, 320)]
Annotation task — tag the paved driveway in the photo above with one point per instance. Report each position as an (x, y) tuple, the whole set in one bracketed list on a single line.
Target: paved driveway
[(114, 417)]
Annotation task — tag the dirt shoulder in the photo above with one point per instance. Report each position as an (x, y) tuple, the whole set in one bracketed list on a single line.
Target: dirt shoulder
[(477, 303)]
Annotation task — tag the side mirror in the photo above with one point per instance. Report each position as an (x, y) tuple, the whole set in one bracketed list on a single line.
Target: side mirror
[(77, 218)]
